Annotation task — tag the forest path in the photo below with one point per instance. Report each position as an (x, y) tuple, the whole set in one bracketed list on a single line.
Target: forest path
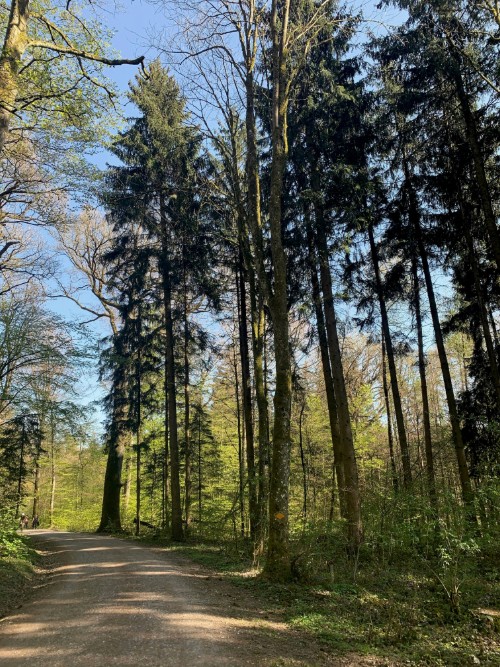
[(114, 602)]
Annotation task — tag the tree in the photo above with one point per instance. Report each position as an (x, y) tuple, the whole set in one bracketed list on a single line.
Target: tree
[(61, 32), (159, 192)]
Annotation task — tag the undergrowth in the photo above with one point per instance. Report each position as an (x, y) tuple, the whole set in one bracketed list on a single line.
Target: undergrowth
[(17, 561), (418, 597)]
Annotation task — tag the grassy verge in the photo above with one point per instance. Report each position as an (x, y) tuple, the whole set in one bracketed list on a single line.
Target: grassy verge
[(400, 611), (17, 570)]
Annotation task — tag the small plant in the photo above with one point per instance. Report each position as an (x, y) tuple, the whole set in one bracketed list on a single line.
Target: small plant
[(12, 545), (451, 571)]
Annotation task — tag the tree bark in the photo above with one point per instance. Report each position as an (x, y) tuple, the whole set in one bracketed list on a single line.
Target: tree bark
[(110, 514)]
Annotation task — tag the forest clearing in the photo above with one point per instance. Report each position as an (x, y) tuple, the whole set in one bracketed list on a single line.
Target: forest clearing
[(249, 322)]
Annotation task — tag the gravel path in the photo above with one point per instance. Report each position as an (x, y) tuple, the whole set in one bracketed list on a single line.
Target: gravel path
[(112, 602)]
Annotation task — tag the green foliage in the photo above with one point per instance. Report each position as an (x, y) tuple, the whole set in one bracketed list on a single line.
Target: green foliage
[(12, 545), (394, 609)]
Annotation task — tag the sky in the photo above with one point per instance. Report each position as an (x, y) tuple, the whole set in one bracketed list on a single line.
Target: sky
[(136, 25)]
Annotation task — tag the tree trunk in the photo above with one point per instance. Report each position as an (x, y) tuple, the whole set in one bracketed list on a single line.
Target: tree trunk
[(246, 392), (187, 418), (166, 453), (10, 61), (20, 475), (352, 497), (429, 457), (396, 397), (126, 487), (328, 379), (177, 531), (200, 485), (138, 443), (303, 464), (52, 474), (241, 471), (110, 514), (258, 332), (36, 485), (390, 438), (467, 493), (278, 564), (256, 305)]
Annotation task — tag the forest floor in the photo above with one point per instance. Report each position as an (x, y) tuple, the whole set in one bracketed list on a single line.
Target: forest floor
[(107, 601), (384, 614), (101, 600)]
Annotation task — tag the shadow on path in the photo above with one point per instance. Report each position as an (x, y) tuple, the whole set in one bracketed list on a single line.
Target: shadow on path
[(111, 602)]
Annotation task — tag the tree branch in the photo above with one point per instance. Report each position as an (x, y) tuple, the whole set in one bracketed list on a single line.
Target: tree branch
[(70, 51)]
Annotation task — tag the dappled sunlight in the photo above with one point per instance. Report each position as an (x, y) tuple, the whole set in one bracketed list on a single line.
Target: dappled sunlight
[(108, 603)]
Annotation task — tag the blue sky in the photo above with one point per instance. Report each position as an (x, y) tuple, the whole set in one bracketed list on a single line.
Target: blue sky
[(136, 24)]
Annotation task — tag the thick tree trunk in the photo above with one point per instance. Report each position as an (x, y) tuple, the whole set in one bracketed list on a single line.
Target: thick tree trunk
[(396, 397), (126, 487), (110, 514), (352, 496), (10, 62), (278, 564), (175, 487)]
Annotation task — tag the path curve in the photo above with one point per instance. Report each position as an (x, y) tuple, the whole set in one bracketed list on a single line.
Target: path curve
[(113, 602)]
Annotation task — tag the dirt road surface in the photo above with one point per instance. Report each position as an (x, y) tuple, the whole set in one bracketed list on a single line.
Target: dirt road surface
[(113, 602)]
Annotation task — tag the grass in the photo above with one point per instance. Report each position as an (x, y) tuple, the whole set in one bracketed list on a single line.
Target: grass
[(17, 570), (397, 610)]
